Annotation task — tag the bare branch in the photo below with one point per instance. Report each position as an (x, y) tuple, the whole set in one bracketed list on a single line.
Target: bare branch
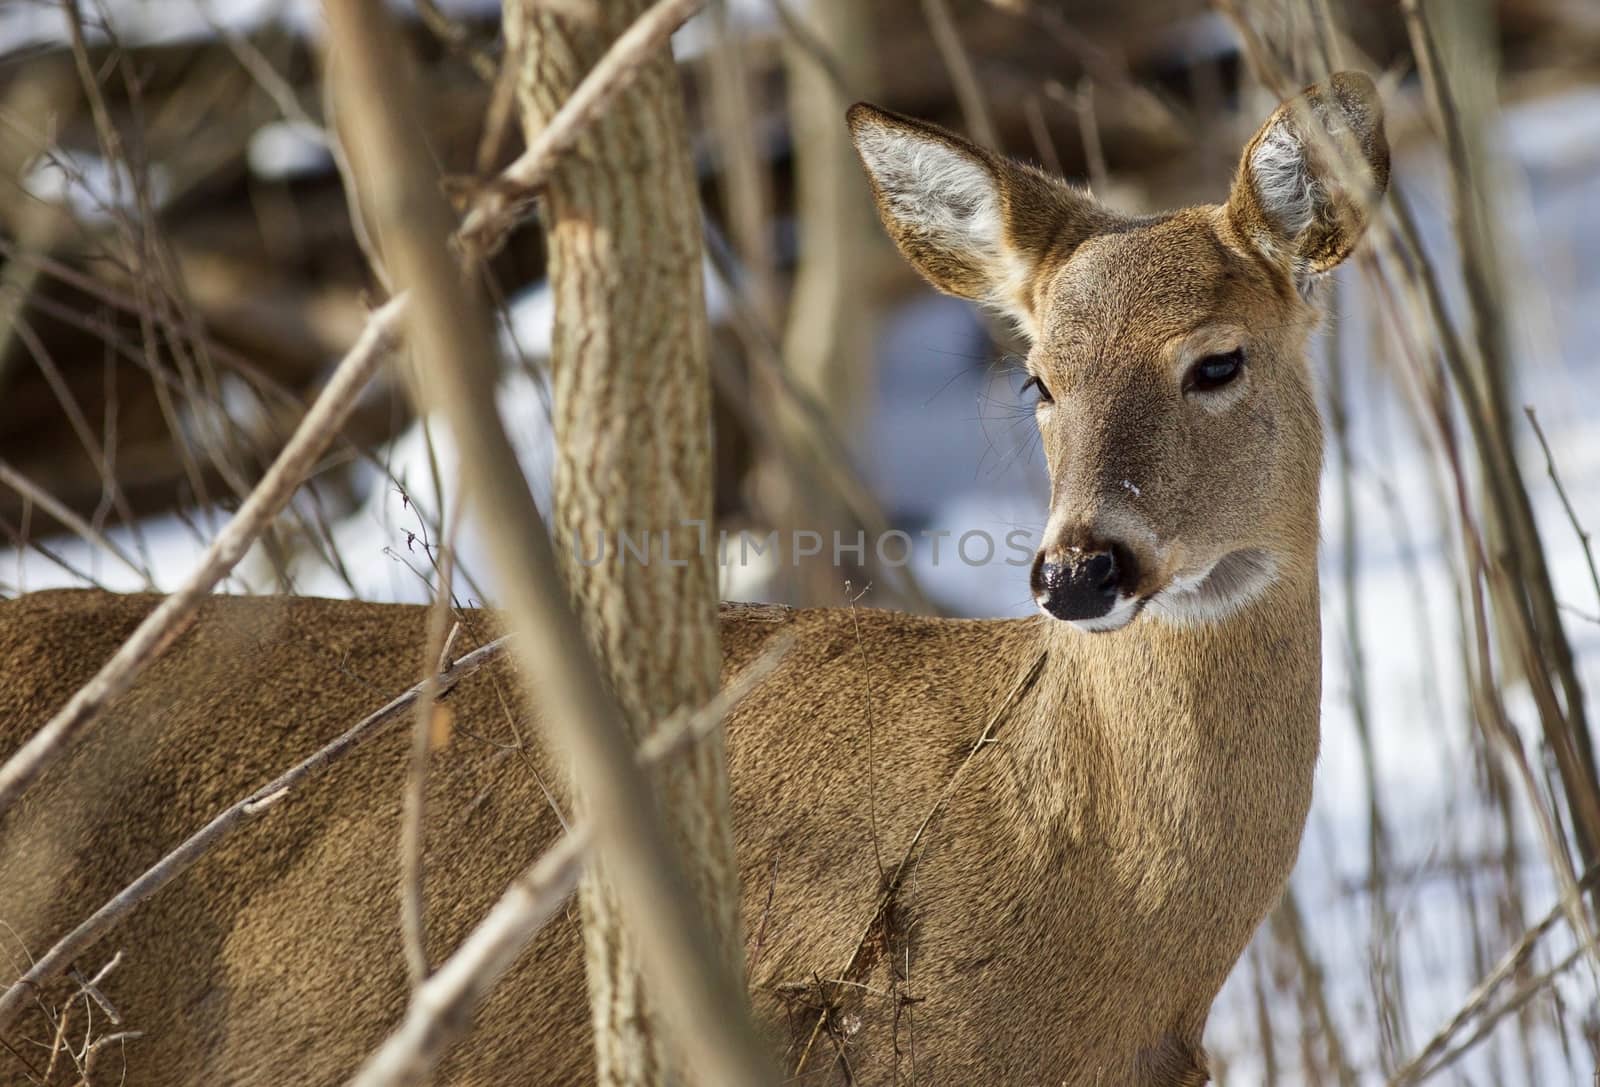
[(313, 436), (322, 422), (202, 841), (963, 75), (1436, 1054), (48, 502), (457, 357), (441, 1008), (500, 204), (1584, 537), (413, 931)]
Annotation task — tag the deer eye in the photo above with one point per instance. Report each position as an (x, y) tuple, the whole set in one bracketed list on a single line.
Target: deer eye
[(1044, 391), (1214, 371)]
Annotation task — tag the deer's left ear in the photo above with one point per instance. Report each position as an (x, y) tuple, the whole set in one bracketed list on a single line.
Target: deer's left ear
[(975, 224), (1309, 181)]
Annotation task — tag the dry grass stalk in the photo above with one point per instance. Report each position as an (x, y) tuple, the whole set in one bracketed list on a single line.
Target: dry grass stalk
[(1432, 1057), (1488, 702), (261, 801), (311, 439), (316, 431), (87, 532), (1489, 575), (1585, 540), (441, 1008), (507, 198), (1528, 603), (457, 357)]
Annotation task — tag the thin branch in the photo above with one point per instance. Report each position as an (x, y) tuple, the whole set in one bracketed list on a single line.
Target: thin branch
[(441, 1008), (53, 506), (498, 207), (174, 864), (1566, 503), (820, 53), (1436, 1054), (322, 422), (824, 455), (315, 433), (866, 677), (1094, 150), (963, 75), (277, 88), (413, 931), (458, 39), (1528, 604), (457, 357), (915, 847)]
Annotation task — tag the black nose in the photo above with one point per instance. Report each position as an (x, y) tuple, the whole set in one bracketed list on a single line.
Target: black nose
[(1082, 584)]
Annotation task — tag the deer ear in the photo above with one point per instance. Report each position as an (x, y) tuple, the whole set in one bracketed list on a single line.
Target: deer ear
[(1309, 180), (974, 224)]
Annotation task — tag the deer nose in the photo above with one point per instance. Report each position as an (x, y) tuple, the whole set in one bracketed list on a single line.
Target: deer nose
[(1081, 583)]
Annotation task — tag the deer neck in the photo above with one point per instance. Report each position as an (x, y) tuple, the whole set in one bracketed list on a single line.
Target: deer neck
[(1186, 736)]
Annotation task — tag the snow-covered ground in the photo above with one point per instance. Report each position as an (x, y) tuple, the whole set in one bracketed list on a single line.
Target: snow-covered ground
[(949, 449), (27, 23)]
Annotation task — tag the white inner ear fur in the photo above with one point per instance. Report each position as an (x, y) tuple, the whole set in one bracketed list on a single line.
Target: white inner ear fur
[(1284, 183), (935, 188), (1290, 189), (954, 202)]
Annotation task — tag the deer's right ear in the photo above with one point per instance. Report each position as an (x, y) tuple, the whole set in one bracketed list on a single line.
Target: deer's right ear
[(1304, 196), (974, 224)]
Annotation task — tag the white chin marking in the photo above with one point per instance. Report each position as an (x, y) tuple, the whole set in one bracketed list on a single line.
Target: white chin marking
[(1120, 615), (1209, 597)]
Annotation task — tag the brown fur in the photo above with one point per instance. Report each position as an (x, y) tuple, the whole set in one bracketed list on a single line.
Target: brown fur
[(1088, 877)]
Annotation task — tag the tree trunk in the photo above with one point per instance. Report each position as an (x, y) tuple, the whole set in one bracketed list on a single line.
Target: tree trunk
[(632, 418)]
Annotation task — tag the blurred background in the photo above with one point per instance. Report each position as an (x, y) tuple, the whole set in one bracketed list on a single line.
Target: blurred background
[(180, 270)]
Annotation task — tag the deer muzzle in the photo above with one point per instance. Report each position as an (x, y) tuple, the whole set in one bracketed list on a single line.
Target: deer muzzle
[(1091, 586)]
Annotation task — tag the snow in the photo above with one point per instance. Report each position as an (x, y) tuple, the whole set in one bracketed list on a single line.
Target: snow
[(952, 449), (31, 23), (281, 150), (88, 185)]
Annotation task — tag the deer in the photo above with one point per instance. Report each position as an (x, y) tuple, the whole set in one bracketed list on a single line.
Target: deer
[(997, 851)]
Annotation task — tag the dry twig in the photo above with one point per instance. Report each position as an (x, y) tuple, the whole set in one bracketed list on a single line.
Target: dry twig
[(457, 353), (221, 826), (441, 1007), (963, 74), (501, 203), (1436, 1054), (436, 658), (316, 431), (915, 847), (1584, 537), (48, 502)]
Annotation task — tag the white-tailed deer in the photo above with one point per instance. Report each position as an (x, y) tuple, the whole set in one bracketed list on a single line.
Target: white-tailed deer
[(973, 852)]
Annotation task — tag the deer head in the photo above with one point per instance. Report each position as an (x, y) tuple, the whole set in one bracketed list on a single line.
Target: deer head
[(1167, 352)]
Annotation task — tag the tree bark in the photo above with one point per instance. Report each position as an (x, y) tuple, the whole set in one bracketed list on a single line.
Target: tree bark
[(632, 426)]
